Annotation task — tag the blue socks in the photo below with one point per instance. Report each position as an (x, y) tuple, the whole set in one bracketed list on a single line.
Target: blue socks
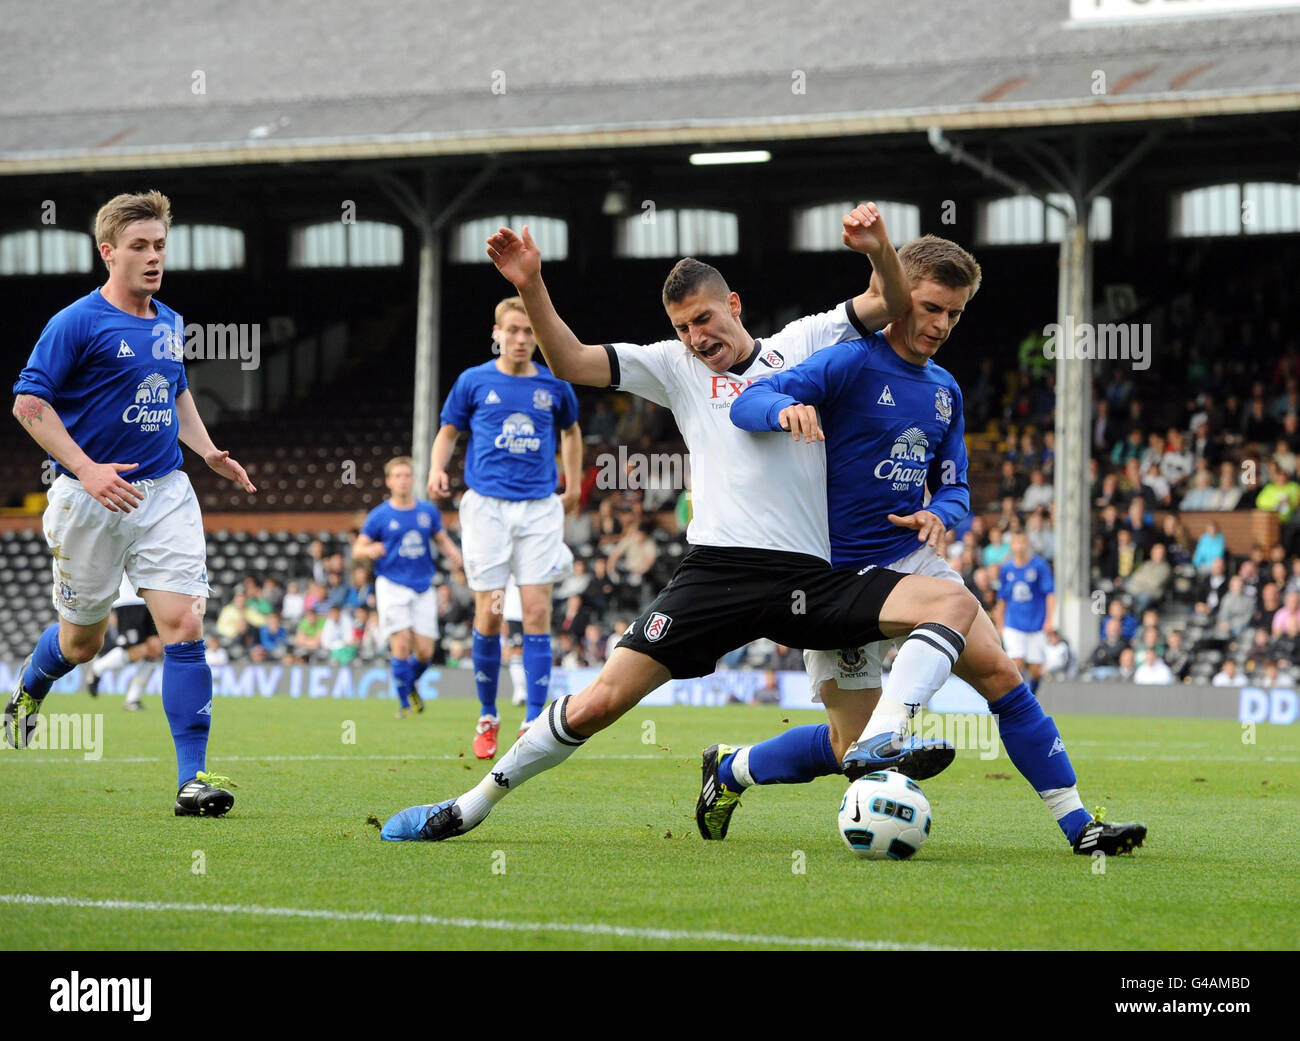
[(418, 669), (486, 655), (401, 671), (537, 672), (187, 700), (1035, 747), (48, 664), (795, 757)]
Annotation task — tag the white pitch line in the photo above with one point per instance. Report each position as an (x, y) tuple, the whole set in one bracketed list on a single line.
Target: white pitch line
[(496, 924), (72, 758)]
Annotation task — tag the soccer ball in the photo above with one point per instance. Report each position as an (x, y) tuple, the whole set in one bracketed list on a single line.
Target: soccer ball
[(884, 815)]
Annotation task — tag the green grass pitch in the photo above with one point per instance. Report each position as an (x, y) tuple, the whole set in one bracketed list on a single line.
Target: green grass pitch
[(603, 852)]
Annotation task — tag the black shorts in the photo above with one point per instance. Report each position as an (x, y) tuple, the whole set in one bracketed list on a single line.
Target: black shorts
[(134, 625), (722, 598)]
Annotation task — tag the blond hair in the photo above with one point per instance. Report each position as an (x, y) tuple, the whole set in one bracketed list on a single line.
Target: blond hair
[(510, 303), (398, 460), (121, 211)]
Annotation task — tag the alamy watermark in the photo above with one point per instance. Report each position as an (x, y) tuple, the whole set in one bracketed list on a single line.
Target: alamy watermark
[(68, 732), (1107, 341), (632, 471), (212, 342)]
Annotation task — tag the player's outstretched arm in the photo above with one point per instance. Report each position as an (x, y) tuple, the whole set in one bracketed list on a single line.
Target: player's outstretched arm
[(194, 435), (519, 260), (101, 480), (789, 400), (888, 296), (444, 444), (449, 550), (571, 459), (367, 548)]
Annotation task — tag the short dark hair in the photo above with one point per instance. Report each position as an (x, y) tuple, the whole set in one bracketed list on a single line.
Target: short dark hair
[(942, 261), (690, 276)]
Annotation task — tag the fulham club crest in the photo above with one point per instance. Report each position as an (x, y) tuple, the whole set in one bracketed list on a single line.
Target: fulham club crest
[(774, 359), (657, 626)]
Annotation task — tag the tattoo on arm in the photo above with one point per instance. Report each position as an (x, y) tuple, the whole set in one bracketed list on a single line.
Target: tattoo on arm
[(29, 409)]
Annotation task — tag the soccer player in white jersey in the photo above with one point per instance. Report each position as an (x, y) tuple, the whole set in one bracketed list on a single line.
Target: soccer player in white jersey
[(105, 394), (893, 428), (511, 520), (759, 558), (396, 536)]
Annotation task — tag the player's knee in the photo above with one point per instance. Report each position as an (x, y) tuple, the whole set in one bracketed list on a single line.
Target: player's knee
[(487, 623), (80, 649), (537, 619), (596, 707), (955, 607)]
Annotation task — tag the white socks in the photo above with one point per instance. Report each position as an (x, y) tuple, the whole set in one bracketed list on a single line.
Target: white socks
[(518, 681), (922, 666), (114, 659), (547, 743)]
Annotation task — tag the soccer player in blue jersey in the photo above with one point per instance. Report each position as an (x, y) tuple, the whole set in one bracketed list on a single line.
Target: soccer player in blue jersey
[(512, 522), (893, 427), (396, 536), (105, 394), (1026, 607)]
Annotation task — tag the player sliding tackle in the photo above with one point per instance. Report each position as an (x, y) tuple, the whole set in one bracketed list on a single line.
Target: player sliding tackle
[(758, 563), (893, 422)]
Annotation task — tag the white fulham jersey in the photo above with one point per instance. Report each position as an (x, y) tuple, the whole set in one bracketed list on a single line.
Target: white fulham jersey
[(755, 491)]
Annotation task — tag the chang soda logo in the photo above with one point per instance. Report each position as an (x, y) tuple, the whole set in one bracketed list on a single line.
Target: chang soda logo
[(152, 390), (518, 435), (910, 447), (413, 544)]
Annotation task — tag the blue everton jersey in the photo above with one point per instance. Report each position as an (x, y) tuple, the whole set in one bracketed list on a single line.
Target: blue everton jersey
[(513, 424), (1025, 590), (113, 379), (406, 535), (892, 429)]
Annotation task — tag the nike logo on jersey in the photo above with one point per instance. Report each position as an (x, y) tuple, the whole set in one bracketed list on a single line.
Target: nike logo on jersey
[(493, 398), (885, 398), (124, 350)]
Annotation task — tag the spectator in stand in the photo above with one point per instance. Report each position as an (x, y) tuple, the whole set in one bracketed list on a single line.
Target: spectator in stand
[(1102, 429), (1281, 495), (1104, 662), (1154, 451), (593, 645), (1289, 611), (1127, 665), (600, 592), (1266, 607), (1214, 584), (576, 583), (217, 655), (257, 608), (1058, 661), (1227, 494), (1285, 457), (1110, 494), (306, 640), (1039, 493), (1151, 640), (1201, 495), (292, 609), (274, 640), (1150, 579), (1173, 536), (1257, 426), (232, 621), (1236, 607), (1176, 463), (1154, 482), (1286, 644), (984, 586), (637, 552), (1153, 671), (257, 655), (1126, 556), (336, 637), (1177, 656), (1275, 676), (1117, 612), (1131, 448), (1012, 483), (316, 562), (361, 590), (1139, 522), (315, 594), (336, 590), (1209, 548), (1042, 539)]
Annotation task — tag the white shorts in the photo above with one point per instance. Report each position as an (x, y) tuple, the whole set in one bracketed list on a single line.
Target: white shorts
[(401, 607), (159, 544), (859, 668), (502, 537), (1030, 648)]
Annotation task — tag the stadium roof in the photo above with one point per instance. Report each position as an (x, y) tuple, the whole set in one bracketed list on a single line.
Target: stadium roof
[(84, 87)]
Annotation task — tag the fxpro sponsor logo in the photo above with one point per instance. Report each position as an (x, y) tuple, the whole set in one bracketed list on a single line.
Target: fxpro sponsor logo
[(152, 408), (906, 467), (518, 435)]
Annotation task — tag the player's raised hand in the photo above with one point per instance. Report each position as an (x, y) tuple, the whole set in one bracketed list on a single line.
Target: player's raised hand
[(439, 486), (101, 480), (516, 256), (220, 462), (801, 420), (927, 526), (864, 230)]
